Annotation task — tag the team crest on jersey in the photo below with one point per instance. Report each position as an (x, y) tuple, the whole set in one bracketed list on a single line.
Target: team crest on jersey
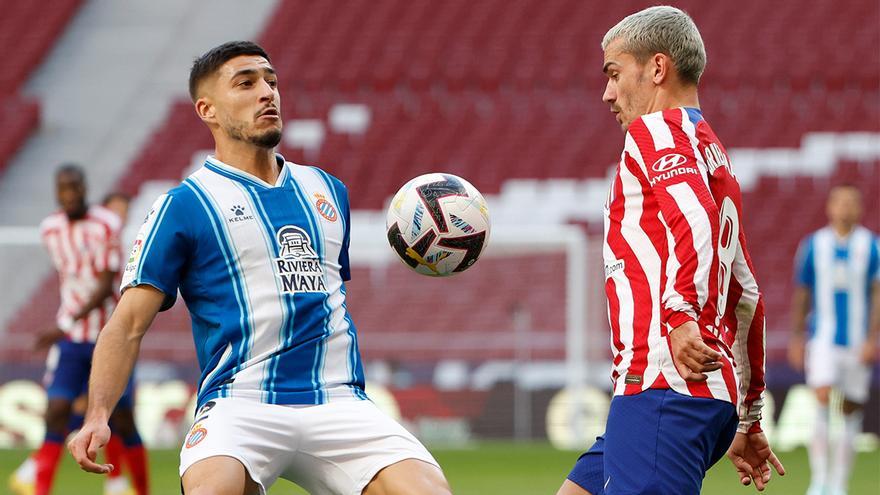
[(196, 435), (325, 208), (298, 266)]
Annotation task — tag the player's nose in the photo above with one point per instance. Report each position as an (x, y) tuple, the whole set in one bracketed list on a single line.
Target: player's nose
[(267, 92), (609, 96)]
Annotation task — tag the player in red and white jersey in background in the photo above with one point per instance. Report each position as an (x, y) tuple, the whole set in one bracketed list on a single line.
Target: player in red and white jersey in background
[(83, 244), (686, 315), (23, 479)]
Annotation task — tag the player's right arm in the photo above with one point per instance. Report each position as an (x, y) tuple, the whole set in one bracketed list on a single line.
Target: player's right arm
[(149, 283), (113, 360), (800, 304)]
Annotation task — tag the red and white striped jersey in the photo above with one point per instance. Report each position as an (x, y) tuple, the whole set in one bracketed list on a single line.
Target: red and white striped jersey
[(675, 251), (81, 250)]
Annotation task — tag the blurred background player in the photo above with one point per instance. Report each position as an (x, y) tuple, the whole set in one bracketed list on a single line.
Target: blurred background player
[(683, 302), (83, 244), (118, 202), (23, 479), (836, 325)]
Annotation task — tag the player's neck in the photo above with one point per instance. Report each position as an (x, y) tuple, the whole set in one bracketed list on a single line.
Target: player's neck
[(666, 98), (259, 162), (842, 230)]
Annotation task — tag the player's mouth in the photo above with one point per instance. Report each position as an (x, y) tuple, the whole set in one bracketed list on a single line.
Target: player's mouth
[(269, 113)]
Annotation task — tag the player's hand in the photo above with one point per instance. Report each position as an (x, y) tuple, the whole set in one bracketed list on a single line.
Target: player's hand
[(84, 447), (796, 352), (868, 353), (48, 337), (752, 457), (691, 355)]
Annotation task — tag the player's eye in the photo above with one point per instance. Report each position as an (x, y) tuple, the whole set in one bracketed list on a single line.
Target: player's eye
[(272, 83), (246, 83)]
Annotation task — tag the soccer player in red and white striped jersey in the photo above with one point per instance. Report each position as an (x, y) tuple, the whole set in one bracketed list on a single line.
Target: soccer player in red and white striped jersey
[(83, 244), (686, 316)]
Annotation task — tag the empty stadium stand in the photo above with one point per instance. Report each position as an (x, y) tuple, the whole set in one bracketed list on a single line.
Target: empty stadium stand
[(27, 31)]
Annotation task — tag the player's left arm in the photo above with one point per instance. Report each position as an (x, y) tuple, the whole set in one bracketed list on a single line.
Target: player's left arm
[(107, 260), (749, 339), (99, 295), (869, 349), (750, 451)]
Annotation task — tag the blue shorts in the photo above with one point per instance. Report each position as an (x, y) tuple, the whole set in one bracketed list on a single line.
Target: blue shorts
[(67, 372), (656, 442)]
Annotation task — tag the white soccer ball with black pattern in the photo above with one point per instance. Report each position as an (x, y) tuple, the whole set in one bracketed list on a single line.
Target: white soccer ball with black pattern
[(438, 224)]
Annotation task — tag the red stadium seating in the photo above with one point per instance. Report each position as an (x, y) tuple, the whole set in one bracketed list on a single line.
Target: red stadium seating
[(27, 31), (503, 89), (513, 89)]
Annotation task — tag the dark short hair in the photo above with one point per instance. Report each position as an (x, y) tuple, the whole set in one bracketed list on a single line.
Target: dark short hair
[(208, 63), (71, 168)]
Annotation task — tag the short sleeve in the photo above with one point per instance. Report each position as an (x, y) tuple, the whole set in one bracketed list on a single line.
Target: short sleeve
[(874, 261), (344, 263), (159, 253), (804, 271)]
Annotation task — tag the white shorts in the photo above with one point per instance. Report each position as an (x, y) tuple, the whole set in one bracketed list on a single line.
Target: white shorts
[(333, 448), (838, 367)]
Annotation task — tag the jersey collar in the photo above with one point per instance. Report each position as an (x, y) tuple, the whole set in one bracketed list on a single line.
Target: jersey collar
[(230, 172)]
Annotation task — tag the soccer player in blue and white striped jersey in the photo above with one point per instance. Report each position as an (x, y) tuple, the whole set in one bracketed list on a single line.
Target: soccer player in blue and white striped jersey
[(836, 324), (258, 249)]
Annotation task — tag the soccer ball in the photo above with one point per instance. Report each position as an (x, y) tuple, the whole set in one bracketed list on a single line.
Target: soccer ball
[(438, 224)]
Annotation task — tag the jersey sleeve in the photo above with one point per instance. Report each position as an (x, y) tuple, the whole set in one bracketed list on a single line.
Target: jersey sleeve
[(160, 250), (661, 149), (344, 262), (749, 340), (804, 269), (874, 261)]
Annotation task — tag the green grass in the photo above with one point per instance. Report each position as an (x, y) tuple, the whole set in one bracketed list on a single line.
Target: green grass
[(487, 469)]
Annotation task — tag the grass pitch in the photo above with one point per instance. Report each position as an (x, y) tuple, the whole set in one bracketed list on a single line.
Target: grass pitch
[(494, 468)]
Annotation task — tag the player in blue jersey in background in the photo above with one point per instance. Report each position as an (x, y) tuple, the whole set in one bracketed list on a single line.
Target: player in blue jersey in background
[(258, 248), (836, 325)]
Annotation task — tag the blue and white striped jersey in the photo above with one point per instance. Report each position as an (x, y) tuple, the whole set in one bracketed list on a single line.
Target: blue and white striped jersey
[(261, 268), (839, 274)]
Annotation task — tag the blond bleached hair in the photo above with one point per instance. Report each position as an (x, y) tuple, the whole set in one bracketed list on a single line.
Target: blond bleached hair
[(662, 29)]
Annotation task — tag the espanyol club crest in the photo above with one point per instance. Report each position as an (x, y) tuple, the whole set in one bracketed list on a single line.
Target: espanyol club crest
[(197, 434), (326, 208)]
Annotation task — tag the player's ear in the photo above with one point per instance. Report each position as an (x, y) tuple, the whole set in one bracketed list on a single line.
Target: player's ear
[(205, 110), (660, 65)]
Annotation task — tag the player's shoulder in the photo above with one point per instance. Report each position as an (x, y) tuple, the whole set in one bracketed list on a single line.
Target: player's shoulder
[(105, 217), (52, 222), (181, 196), (331, 180), (179, 203), (819, 233)]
